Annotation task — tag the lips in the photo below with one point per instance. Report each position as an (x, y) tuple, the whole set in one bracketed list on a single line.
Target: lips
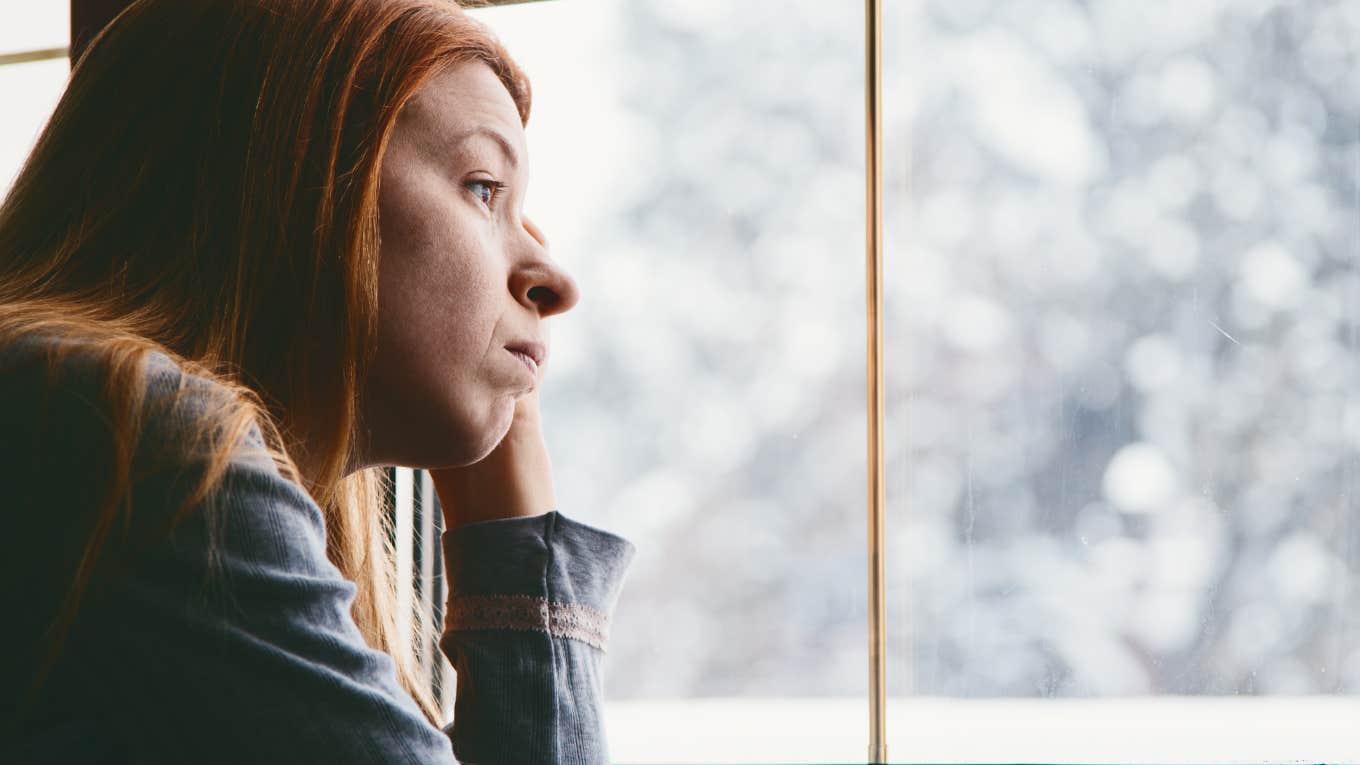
[(528, 361), (530, 352)]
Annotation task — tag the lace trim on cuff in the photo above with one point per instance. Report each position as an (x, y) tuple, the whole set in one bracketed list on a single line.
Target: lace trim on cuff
[(528, 612)]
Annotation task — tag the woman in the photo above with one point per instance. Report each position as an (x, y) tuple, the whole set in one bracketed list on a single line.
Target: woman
[(263, 248)]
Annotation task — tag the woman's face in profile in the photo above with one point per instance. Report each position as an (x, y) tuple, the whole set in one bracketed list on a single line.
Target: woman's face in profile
[(462, 275)]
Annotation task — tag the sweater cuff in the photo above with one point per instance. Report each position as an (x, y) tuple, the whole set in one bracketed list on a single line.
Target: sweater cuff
[(546, 573)]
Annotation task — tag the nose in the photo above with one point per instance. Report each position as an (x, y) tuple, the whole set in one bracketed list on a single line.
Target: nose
[(540, 283)]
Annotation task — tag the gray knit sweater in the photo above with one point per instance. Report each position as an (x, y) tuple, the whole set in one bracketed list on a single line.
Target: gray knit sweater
[(265, 663)]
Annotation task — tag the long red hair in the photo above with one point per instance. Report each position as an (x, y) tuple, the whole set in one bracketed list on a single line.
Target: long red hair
[(207, 187)]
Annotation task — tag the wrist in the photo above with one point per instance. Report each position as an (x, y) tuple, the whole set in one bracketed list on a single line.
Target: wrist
[(471, 495)]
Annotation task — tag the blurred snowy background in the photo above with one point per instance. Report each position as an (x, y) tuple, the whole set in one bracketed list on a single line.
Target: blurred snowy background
[(1124, 381), (1123, 303)]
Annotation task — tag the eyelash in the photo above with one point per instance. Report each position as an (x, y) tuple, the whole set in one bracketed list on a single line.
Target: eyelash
[(496, 186)]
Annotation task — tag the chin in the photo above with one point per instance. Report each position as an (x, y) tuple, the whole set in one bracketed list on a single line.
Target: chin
[(503, 416), (475, 440)]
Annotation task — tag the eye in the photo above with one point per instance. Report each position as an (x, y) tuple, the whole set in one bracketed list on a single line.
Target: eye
[(496, 188)]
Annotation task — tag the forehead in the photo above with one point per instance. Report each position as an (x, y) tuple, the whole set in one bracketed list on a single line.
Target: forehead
[(462, 97)]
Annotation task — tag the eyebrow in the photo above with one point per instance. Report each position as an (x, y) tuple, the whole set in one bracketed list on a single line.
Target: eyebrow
[(506, 147)]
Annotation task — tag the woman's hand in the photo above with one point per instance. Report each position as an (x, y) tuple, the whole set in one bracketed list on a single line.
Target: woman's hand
[(513, 481)]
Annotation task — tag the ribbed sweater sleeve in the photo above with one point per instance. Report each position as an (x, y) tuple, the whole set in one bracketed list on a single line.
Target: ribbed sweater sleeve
[(527, 628)]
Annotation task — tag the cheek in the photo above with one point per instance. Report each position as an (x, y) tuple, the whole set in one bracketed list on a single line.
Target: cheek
[(429, 282), (415, 214), (432, 307), (441, 399), (438, 310)]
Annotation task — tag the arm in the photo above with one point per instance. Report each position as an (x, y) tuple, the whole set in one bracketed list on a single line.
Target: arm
[(526, 629), (258, 662), (227, 640)]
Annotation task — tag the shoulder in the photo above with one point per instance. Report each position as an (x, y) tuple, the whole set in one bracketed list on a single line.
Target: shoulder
[(196, 457), (257, 504), (36, 368), (64, 385), (261, 516), (178, 405), (80, 419)]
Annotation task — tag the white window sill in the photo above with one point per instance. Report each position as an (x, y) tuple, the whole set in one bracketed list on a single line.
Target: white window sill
[(1169, 729)]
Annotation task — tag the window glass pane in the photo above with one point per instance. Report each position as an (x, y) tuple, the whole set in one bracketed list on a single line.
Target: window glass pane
[(698, 167), (31, 91), (34, 25), (1124, 380)]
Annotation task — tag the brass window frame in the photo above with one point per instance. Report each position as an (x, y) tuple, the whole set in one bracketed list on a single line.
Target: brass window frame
[(873, 240)]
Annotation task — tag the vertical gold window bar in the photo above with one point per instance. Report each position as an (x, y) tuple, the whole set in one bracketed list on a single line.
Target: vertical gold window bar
[(873, 167)]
